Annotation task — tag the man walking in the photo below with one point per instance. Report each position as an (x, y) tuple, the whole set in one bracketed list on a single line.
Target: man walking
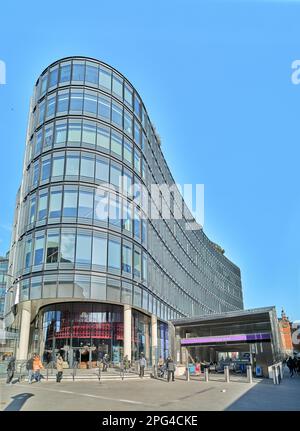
[(29, 368), (11, 366), (290, 364), (142, 365), (170, 368)]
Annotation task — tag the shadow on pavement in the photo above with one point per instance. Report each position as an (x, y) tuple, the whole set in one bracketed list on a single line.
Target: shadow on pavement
[(18, 401)]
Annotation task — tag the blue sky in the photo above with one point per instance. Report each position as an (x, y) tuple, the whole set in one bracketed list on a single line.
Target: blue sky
[(215, 77)]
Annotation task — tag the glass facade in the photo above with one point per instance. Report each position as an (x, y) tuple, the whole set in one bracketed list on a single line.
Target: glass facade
[(81, 229)]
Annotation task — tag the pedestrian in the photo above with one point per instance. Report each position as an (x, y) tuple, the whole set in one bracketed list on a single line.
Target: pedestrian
[(160, 367), (37, 367), (170, 368), (11, 366), (142, 365), (126, 363), (290, 364), (105, 362), (29, 368), (59, 368)]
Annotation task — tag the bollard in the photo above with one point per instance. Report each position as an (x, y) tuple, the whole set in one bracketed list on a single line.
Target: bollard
[(206, 374), (249, 374), (274, 375), (187, 374), (226, 373)]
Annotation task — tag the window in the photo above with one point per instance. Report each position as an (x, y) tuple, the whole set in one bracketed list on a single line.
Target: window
[(145, 268), (113, 290), (114, 210), (127, 151), (41, 112), (44, 84), (46, 168), (28, 246), (48, 136), (83, 248), (67, 247), (99, 251), (90, 102), (144, 231), (32, 207), (115, 175), (87, 166), (104, 107), (128, 95), (114, 253), (117, 114), (127, 122), (98, 287), (137, 223), (74, 132), (60, 133), (137, 296), (65, 72), (127, 258), (38, 142), (25, 290), (137, 161), (58, 163), (137, 133), (137, 105), (101, 205), (70, 203), (91, 74), (76, 101), (82, 285), (105, 78), (52, 247), (102, 169), (78, 72), (65, 286), (55, 203), (103, 137), (137, 263), (43, 203), (126, 293), (39, 248), (53, 77), (89, 134), (117, 86), (85, 205), (116, 143), (72, 164), (49, 287), (127, 216), (62, 102), (127, 183), (36, 288), (50, 106)]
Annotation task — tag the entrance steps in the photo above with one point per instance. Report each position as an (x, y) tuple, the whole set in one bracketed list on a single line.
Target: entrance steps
[(91, 374)]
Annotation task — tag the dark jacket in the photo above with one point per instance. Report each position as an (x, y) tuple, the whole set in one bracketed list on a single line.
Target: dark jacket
[(11, 364), (170, 365), (29, 364)]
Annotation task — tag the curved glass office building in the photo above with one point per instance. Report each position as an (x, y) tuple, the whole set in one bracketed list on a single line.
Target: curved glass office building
[(91, 272)]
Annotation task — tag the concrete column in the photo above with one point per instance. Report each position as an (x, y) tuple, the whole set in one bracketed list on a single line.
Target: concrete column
[(127, 331), (22, 353), (154, 338)]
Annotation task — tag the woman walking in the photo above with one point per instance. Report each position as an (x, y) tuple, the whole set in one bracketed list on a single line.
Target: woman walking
[(37, 367), (59, 368)]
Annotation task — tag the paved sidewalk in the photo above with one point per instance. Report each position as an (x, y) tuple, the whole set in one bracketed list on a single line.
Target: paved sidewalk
[(151, 395)]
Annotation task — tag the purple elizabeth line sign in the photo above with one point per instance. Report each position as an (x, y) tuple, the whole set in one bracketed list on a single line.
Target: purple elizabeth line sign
[(258, 336)]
